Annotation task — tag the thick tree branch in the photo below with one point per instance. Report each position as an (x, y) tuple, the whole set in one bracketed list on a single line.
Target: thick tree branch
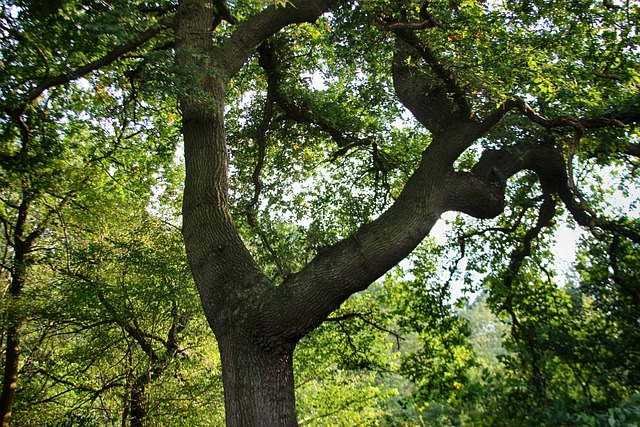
[(256, 30), (354, 263), (632, 150), (480, 192), (223, 11), (222, 265), (435, 100), (453, 89)]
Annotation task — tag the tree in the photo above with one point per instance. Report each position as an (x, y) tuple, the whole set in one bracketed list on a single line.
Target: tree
[(57, 142), (127, 297), (258, 322), (509, 102)]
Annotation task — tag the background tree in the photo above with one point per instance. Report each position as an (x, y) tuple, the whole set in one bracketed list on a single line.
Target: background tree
[(60, 136), (123, 341)]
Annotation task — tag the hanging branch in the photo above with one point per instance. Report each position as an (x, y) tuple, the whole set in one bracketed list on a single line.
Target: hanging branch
[(545, 218), (587, 217), (299, 111), (272, 88), (261, 138)]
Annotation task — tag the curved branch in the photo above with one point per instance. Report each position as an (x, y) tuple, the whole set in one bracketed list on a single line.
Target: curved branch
[(445, 76), (616, 119), (480, 192), (256, 30), (586, 218), (272, 90), (298, 110), (103, 61)]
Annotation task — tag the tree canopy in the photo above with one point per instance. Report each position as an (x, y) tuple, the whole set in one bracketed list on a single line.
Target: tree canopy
[(305, 150)]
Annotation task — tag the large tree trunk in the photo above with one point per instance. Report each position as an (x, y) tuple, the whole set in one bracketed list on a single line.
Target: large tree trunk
[(257, 324), (258, 383)]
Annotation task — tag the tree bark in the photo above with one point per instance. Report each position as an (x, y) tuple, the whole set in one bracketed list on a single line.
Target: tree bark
[(22, 248), (258, 382), (10, 377), (138, 408)]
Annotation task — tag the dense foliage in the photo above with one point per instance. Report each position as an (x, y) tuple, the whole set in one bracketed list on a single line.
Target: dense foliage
[(487, 325)]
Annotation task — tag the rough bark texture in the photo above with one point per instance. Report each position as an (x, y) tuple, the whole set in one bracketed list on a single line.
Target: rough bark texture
[(256, 356), (138, 401), (10, 377), (259, 387)]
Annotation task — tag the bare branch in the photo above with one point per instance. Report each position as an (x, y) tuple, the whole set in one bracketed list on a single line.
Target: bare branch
[(619, 120), (75, 386), (369, 322)]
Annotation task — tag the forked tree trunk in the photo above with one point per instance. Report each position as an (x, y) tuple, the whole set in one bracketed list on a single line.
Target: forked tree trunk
[(258, 381), (258, 384), (257, 323)]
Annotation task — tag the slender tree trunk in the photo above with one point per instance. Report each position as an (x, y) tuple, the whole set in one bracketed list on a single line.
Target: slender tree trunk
[(138, 401), (10, 377), (12, 350), (258, 383)]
